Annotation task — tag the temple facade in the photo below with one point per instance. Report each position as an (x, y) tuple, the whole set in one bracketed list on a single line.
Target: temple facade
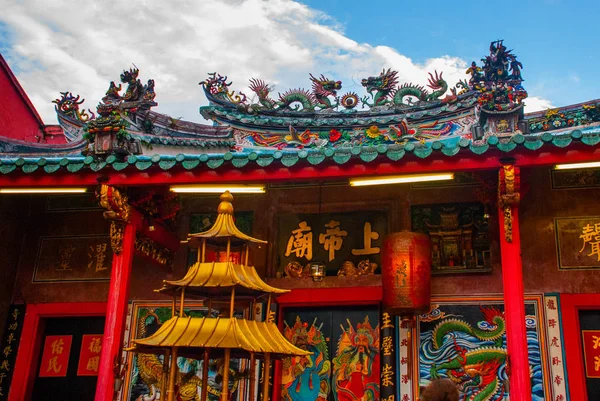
[(102, 214)]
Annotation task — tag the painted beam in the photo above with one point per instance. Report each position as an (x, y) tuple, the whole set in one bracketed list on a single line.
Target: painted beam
[(326, 171)]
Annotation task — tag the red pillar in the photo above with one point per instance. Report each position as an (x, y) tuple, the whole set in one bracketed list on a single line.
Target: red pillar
[(512, 280), (116, 311)]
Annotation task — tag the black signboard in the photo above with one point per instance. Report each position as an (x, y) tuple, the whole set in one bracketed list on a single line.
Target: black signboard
[(331, 238)]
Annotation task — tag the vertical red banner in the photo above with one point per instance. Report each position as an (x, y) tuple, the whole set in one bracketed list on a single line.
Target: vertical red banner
[(591, 353), (89, 357), (55, 358)]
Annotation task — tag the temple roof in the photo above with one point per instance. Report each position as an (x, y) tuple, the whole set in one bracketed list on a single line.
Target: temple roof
[(193, 335), (51, 162), (482, 114)]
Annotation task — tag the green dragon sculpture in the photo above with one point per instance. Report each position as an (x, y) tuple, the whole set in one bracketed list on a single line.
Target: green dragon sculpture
[(384, 91), (475, 371), (322, 89)]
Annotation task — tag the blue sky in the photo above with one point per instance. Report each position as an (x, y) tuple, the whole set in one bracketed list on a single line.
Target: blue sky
[(53, 46), (556, 40)]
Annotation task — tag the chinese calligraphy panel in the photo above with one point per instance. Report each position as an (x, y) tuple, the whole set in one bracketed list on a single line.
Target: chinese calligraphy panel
[(9, 346), (55, 358), (572, 179), (332, 238), (591, 353), (73, 258), (578, 242), (89, 357)]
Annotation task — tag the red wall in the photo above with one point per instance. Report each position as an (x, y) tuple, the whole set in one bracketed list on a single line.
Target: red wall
[(18, 118)]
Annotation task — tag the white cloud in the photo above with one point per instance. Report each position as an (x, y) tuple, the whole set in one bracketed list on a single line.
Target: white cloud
[(534, 103), (59, 46)]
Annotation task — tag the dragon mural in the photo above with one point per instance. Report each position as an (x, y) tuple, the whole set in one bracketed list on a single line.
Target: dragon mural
[(356, 366), (306, 378), (473, 356), (148, 372), (384, 90), (476, 369)]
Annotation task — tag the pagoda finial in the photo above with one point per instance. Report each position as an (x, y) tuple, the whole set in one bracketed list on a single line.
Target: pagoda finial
[(225, 207)]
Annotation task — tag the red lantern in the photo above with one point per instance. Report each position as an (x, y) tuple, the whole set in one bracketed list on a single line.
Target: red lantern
[(406, 273)]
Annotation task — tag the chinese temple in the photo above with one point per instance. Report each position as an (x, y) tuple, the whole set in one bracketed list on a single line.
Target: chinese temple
[(411, 232)]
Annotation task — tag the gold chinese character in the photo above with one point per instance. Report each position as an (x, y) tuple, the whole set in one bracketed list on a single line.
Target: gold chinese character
[(4, 365), (386, 375), (368, 235), (597, 363), (386, 321), (53, 365), (57, 346), (92, 363), (300, 242), (65, 253), (10, 338), (2, 376), (332, 239), (15, 314), (97, 255), (596, 342), (12, 326), (7, 350), (595, 249), (589, 233), (95, 345), (387, 345)]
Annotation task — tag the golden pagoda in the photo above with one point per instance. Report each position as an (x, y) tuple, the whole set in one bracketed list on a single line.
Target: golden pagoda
[(221, 336)]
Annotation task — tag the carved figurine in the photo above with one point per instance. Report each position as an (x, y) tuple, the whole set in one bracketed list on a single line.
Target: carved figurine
[(293, 270), (347, 269), (365, 267), (112, 94)]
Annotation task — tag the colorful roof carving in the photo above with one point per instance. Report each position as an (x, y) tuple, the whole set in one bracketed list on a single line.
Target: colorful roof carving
[(320, 125)]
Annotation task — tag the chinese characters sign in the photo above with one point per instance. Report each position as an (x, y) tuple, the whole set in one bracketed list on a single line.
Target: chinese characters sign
[(55, 358), (9, 346), (591, 353), (332, 238), (578, 242), (89, 357), (80, 258)]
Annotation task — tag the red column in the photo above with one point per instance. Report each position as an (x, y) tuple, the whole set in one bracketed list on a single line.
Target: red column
[(512, 280), (116, 312)]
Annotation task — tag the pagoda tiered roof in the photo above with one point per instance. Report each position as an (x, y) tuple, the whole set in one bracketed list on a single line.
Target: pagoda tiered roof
[(209, 278), (193, 335)]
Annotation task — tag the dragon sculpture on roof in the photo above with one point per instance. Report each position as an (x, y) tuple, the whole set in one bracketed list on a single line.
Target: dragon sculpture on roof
[(384, 89), (69, 105), (292, 100)]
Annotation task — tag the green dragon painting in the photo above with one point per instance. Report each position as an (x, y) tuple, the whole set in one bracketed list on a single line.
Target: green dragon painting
[(467, 344)]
